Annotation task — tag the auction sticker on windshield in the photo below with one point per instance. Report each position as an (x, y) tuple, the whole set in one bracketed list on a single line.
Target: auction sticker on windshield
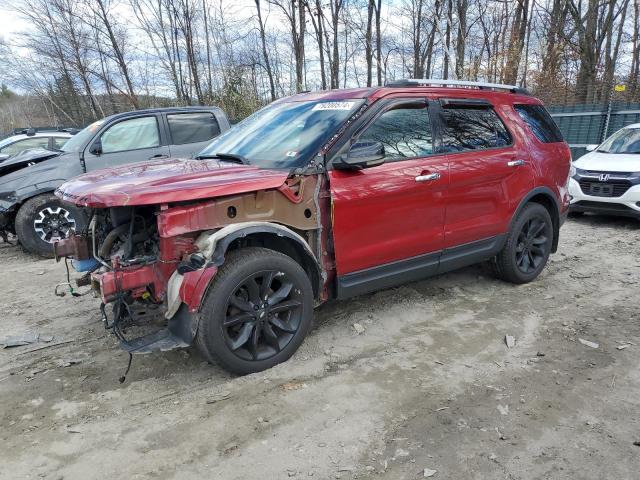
[(334, 106)]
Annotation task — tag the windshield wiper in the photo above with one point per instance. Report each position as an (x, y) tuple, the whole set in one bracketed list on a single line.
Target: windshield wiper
[(231, 157)]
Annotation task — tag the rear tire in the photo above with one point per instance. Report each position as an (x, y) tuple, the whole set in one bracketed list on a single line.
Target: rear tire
[(528, 246), (257, 311), (44, 219)]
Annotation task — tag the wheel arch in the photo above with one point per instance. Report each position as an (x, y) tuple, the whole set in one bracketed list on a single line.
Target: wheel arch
[(545, 197), (272, 236)]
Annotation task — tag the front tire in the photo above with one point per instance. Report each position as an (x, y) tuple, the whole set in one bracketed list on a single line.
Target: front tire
[(257, 312), (528, 246), (45, 219)]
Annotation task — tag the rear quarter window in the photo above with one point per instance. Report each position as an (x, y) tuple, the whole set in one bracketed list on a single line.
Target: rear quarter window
[(540, 123), (473, 128), (192, 127)]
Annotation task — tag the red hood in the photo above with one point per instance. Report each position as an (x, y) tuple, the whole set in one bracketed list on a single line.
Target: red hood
[(166, 181)]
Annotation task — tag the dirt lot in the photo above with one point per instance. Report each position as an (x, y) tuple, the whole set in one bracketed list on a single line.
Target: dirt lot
[(429, 384)]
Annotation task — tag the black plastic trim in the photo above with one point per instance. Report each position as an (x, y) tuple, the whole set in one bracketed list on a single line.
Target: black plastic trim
[(470, 253), (607, 208), (222, 246), (418, 268), (465, 102), (388, 275)]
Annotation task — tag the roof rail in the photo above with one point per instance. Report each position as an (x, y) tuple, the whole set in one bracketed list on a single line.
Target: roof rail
[(416, 82), (31, 131)]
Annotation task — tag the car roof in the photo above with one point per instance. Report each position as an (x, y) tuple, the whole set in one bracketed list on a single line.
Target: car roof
[(633, 125), (22, 136), (374, 93), (163, 110)]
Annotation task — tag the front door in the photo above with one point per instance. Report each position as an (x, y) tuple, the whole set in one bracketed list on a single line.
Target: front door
[(489, 169), (388, 219), (127, 141)]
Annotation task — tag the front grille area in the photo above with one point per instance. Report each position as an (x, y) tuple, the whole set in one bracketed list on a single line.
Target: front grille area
[(618, 207), (612, 188)]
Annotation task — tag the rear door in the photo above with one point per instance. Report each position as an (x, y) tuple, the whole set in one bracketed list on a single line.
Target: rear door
[(490, 170), (129, 140), (190, 133), (387, 217)]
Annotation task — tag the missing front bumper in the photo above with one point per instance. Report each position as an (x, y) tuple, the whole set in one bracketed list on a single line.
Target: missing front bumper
[(179, 333)]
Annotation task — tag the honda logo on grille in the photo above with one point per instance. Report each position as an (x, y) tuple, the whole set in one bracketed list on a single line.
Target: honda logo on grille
[(604, 177)]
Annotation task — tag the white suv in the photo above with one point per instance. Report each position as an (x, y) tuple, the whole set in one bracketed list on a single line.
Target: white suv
[(607, 179), (49, 140)]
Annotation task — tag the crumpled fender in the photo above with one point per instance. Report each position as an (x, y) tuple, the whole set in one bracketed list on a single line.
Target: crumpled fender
[(190, 288)]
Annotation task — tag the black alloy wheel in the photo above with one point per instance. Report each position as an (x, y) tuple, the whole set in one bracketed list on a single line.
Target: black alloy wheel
[(257, 311), (532, 247), (527, 246), (263, 314)]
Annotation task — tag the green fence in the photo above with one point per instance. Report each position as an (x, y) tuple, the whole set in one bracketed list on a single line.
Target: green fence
[(588, 124)]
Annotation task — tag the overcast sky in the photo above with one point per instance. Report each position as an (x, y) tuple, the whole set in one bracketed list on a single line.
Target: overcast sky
[(10, 22)]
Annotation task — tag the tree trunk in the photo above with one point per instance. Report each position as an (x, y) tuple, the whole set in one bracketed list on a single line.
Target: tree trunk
[(447, 41), (379, 42), (516, 42), (461, 7), (120, 60), (265, 54), (368, 42)]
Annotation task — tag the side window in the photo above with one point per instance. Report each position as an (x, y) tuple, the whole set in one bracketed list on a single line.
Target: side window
[(540, 123), (192, 127), (131, 135), (405, 132), (58, 142), (20, 145), (473, 128)]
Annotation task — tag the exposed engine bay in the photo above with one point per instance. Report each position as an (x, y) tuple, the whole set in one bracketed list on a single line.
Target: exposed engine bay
[(128, 235)]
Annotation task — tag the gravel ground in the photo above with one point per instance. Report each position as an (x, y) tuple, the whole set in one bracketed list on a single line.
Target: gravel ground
[(429, 383)]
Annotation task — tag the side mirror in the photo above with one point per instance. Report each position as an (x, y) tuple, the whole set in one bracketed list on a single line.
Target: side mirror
[(96, 148), (591, 148), (363, 155)]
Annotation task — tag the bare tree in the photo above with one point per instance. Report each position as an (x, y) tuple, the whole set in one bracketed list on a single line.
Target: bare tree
[(265, 54), (516, 41), (107, 26), (294, 11)]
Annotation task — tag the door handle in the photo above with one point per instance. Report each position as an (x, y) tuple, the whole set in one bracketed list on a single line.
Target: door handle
[(516, 163), (157, 157), (429, 177)]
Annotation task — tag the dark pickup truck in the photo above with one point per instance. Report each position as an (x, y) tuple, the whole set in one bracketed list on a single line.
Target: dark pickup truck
[(28, 207)]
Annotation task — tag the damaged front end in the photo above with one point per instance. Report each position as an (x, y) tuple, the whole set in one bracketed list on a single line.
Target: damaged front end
[(152, 265), (128, 265)]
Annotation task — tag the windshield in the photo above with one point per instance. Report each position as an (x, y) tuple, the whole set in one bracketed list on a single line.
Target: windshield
[(6, 141), (626, 140), (283, 135), (80, 139)]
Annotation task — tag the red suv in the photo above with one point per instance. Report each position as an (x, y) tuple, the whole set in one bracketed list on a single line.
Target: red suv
[(319, 196)]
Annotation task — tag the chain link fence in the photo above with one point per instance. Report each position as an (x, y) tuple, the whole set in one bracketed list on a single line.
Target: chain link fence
[(585, 124)]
